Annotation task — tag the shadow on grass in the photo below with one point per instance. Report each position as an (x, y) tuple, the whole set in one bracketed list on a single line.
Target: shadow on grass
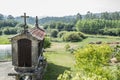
[(53, 71)]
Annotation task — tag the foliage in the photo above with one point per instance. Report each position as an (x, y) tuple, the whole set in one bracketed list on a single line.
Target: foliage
[(65, 19), (47, 42), (116, 52), (9, 30), (60, 26), (10, 17), (93, 26), (4, 23), (67, 47), (1, 16), (54, 33), (72, 37), (97, 55), (61, 33), (111, 31), (91, 64)]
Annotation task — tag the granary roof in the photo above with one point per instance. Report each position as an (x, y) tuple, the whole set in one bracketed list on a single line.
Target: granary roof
[(37, 33)]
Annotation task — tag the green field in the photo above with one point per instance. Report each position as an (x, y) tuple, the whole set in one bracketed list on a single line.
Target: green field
[(4, 39)]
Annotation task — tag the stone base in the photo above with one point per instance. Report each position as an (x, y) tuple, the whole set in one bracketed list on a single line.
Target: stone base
[(32, 74)]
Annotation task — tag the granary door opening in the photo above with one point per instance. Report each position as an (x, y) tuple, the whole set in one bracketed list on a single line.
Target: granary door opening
[(24, 53)]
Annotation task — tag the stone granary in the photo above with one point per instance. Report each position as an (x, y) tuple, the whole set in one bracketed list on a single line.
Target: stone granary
[(27, 53)]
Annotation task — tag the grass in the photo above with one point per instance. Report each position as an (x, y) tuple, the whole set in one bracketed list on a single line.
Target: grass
[(59, 60), (57, 64), (4, 39)]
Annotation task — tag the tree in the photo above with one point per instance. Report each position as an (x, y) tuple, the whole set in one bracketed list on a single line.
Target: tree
[(47, 42), (1, 16), (10, 17), (54, 33), (88, 15), (60, 26), (105, 15), (78, 16), (72, 37), (115, 16)]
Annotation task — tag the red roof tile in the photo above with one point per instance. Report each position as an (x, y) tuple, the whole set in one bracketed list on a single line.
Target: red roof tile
[(37, 33)]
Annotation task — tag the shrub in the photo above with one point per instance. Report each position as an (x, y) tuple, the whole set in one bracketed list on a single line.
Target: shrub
[(10, 30), (90, 63), (67, 47), (72, 37), (96, 55), (61, 33), (47, 42), (54, 33)]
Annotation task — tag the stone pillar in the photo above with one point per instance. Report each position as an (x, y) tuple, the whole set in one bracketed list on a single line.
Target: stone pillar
[(17, 77), (34, 77)]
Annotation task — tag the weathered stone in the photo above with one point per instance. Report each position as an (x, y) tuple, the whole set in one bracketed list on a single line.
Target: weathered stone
[(28, 44)]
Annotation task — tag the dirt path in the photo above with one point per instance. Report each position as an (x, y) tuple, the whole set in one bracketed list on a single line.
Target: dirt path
[(5, 68)]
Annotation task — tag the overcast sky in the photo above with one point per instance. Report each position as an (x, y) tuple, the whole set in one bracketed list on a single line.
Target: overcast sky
[(57, 7)]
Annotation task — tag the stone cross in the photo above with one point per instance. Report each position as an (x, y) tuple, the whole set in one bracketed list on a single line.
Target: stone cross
[(36, 22), (25, 20)]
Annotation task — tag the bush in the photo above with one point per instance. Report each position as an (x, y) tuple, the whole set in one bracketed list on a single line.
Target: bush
[(67, 47), (47, 42), (61, 33), (10, 30), (91, 65), (96, 55), (54, 33), (72, 37)]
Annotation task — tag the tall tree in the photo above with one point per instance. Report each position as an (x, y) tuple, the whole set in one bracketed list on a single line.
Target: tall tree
[(89, 15), (115, 16), (78, 16), (1, 16), (10, 17), (105, 15)]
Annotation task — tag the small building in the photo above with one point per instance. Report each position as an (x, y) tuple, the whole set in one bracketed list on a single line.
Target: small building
[(27, 48)]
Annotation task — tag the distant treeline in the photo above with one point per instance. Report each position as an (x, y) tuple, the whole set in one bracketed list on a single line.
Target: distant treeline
[(106, 23), (102, 23)]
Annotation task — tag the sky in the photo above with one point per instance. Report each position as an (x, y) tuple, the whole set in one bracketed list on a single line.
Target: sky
[(57, 7)]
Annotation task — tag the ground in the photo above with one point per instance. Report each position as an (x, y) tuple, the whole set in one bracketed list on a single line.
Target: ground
[(5, 68)]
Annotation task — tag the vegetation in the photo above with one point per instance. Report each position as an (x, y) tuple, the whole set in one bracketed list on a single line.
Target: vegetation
[(4, 39), (104, 27), (58, 61), (54, 33), (92, 63), (47, 42), (10, 30), (73, 36)]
